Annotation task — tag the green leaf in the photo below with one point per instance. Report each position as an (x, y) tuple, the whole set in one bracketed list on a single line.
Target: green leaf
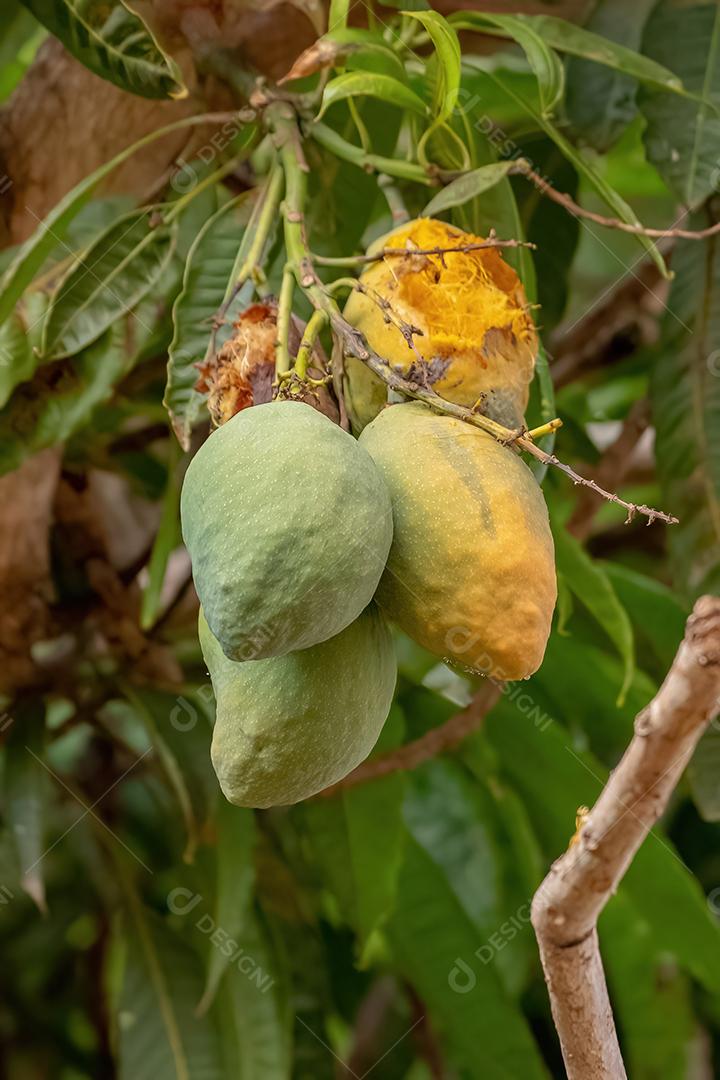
[(454, 818), (545, 63), (373, 811), (338, 14), (447, 51), (17, 361), (600, 101), (206, 279), (437, 948), (167, 539), (468, 186), (682, 138), (704, 774), (358, 83), (568, 38), (111, 276), (554, 779), (570, 665), (685, 396), (592, 587), (25, 794), (235, 880), (650, 997), (159, 1034), (254, 1020), (610, 196), (60, 399), (51, 230), (182, 750), (307, 961), (359, 847), (113, 42), (657, 615), (21, 39)]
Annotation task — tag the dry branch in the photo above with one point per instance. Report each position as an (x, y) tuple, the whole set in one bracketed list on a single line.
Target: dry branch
[(567, 905), (358, 347), (523, 168), (611, 469)]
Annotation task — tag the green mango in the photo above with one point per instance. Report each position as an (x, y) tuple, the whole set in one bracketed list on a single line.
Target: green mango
[(289, 726), (288, 523)]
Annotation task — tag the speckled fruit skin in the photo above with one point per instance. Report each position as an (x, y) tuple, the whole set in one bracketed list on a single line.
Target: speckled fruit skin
[(288, 524), (478, 341), (289, 726), (471, 571)]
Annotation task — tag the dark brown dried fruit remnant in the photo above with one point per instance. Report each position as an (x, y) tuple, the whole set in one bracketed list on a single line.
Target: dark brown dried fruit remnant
[(242, 373)]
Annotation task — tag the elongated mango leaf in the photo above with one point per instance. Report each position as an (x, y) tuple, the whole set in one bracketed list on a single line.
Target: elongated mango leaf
[(704, 774), (582, 164), (591, 585), (235, 879), (359, 83), (570, 663), (113, 42), (17, 361), (373, 811), (338, 14), (657, 615), (25, 795), (601, 101), (682, 138), (447, 51), (568, 38), (51, 230), (182, 751), (60, 399), (685, 396), (111, 276), (544, 62), (554, 779), (306, 958), (166, 540), (20, 40), (255, 1021), (159, 1034), (651, 998), (358, 846), (454, 818), (468, 186), (208, 273), (436, 946)]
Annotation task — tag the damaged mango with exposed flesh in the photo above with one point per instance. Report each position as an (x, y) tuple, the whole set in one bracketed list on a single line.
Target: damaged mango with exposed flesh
[(477, 342)]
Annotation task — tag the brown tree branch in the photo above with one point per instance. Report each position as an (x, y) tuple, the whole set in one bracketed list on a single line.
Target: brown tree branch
[(445, 737), (492, 241), (567, 905), (358, 347), (523, 168), (612, 468)]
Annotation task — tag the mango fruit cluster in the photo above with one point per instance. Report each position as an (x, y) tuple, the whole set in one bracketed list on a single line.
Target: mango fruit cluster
[(306, 542), (289, 523)]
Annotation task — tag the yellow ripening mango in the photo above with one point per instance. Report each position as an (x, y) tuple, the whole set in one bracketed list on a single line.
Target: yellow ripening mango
[(478, 342), (471, 570)]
